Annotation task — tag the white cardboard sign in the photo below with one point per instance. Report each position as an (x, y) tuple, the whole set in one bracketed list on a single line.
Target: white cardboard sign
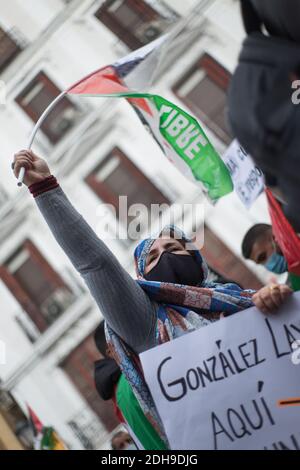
[(220, 387), (247, 178)]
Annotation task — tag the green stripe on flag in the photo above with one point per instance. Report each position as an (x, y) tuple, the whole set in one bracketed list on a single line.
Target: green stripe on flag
[(181, 137), (190, 142), (295, 282)]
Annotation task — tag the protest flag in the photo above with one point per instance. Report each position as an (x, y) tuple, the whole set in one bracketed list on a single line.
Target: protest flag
[(179, 135), (286, 238), (35, 423), (45, 437)]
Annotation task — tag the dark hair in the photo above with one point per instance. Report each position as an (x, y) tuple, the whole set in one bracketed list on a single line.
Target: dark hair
[(171, 232), (100, 340), (251, 237)]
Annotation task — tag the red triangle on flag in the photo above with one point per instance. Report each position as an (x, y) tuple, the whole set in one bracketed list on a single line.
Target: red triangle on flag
[(36, 423), (102, 82), (140, 103)]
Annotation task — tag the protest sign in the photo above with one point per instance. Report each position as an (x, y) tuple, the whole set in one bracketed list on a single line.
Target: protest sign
[(247, 178), (234, 384)]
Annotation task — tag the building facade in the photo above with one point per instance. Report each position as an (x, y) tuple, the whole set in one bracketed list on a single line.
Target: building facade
[(99, 151)]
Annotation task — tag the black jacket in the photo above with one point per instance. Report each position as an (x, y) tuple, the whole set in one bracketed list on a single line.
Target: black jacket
[(280, 17), (261, 113), (107, 374)]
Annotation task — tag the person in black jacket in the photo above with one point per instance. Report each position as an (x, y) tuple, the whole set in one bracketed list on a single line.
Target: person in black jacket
[(262, 114), (281, 18)]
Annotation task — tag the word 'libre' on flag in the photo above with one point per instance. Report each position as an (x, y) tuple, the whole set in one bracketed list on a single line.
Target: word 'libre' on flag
[(178, 134)]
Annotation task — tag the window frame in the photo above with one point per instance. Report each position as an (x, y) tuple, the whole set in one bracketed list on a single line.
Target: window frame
[(127, 36), (105, 194), (41, 76), (220, 77), (29, 306), (16, 50)]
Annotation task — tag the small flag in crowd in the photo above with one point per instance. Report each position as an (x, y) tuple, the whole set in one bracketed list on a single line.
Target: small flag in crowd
[(178, 134), (45, 437)]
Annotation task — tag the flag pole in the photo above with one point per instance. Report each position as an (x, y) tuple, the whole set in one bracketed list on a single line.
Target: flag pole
[(36, 128)]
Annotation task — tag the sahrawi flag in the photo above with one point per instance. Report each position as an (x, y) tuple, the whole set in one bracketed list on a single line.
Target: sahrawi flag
[(45, 437), (179, 135)]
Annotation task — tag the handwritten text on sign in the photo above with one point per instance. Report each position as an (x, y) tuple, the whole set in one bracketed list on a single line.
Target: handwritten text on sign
[(247, 178), (219, 387)]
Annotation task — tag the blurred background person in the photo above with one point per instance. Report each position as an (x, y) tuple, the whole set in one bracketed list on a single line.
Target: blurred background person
[(260, 246), (263, 115)]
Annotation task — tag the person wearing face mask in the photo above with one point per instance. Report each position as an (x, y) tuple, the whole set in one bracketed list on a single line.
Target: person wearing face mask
[(260, 246), (170, 297)]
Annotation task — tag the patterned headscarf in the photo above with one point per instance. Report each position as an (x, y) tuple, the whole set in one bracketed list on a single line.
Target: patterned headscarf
[(180, 309)]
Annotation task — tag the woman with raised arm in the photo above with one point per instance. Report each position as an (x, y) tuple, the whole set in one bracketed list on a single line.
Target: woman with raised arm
[(171, 296)]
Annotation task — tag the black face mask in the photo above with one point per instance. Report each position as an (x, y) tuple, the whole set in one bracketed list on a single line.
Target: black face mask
[(177, 269)]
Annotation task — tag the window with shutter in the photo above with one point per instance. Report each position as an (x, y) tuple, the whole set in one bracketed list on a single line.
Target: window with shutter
[(38, 288), (134, 22), (204, 90), (117, 176), (9, 49), (37, 96)]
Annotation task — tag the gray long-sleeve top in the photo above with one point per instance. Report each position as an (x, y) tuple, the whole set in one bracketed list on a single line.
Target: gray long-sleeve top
[(123, 303)]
